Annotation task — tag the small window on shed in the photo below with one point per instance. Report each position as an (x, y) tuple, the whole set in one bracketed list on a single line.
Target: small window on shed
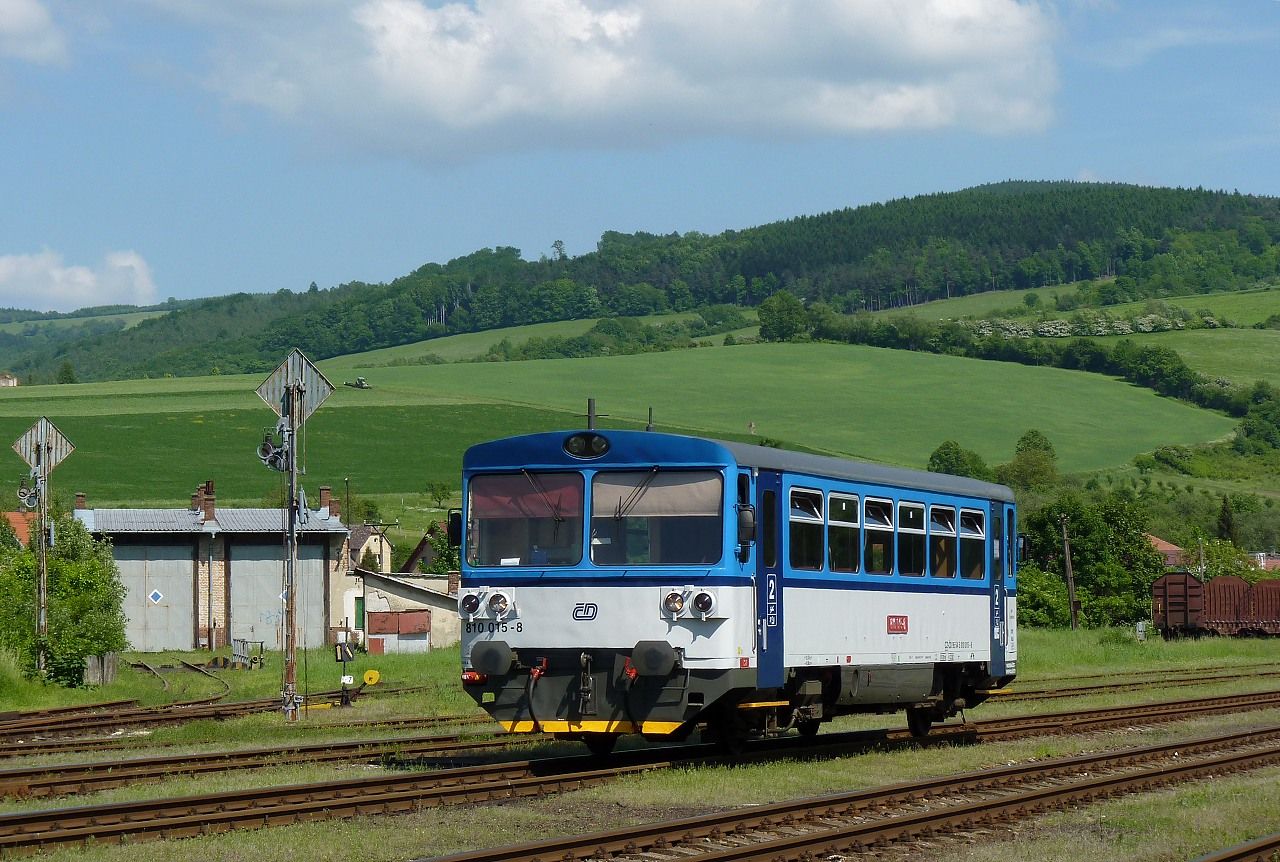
[(877, 547), (806, 529), (911, 539), (973, 545), (842, 532)]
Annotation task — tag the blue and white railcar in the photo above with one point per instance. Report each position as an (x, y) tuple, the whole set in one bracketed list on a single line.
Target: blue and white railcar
[(634, 582)]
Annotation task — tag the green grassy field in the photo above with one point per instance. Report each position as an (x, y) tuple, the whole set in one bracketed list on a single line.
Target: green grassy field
[(155, 440), (129, 320), (1241, 307), (1240, 355)]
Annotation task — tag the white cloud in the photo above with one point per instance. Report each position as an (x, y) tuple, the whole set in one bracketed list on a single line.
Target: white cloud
[(43, 282), (27, 32), (453, 79)]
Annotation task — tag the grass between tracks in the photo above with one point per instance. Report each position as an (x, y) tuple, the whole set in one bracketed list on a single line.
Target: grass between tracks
[(1175, 824)]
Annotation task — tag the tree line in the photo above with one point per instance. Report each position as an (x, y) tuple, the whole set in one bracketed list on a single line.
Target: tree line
[(1149, 242)]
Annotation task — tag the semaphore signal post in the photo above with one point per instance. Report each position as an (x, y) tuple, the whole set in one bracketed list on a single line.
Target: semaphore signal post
[(294, 391), (43, 447)]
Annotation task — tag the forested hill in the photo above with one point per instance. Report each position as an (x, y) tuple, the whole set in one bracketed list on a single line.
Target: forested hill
[(1156, 242)]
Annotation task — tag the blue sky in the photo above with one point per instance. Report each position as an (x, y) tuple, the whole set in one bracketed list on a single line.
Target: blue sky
[(184, 148)]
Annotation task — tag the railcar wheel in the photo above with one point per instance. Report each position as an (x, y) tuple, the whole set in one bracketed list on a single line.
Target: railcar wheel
[(601, 744), (919, 720)]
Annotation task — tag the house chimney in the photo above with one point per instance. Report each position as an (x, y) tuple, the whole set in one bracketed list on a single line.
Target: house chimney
[(454, 580), (195, 503), (81, 500), (324, 497), (335, 508), (207, 503)]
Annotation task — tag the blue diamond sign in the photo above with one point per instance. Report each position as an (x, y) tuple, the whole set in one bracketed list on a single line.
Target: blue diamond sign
[(156, 596)]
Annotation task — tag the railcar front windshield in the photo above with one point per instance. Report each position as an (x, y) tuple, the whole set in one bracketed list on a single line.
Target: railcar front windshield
[(527, 518), (657, 517)]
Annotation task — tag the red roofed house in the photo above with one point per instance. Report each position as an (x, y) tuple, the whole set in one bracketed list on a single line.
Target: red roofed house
[(1174, 557), (23, 523)]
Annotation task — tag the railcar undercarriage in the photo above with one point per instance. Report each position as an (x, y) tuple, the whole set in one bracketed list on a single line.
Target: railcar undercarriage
[(598, 695)]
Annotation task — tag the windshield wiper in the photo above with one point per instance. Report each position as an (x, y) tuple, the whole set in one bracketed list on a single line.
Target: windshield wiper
[(537, 486), (624, 507)]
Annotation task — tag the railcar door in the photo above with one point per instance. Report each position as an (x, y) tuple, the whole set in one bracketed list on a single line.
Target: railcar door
[(769, 670), (1000, 559)]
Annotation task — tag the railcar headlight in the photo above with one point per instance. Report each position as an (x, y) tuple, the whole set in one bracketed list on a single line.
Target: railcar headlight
[(673, 602), (586, 445), (704, 604), (470, 604), (499, 604)]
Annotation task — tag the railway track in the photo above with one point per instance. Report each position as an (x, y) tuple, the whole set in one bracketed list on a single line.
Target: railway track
[(186, 816), (836, 825), (67, 779)]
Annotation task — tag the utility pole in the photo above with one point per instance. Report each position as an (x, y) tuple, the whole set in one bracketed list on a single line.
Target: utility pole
[(1071, 579), (43, 447)]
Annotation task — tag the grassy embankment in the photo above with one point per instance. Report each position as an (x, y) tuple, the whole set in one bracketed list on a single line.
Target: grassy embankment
[(1174, 824), (150, 442)]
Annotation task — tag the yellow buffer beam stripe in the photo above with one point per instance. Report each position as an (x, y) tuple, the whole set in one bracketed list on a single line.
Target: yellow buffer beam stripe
[(561, 726)]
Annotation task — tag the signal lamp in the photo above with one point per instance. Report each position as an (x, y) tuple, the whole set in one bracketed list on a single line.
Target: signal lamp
[(470, 604), (474, 677), (499, 604), (673, 602), (586, 445), (704, 603)]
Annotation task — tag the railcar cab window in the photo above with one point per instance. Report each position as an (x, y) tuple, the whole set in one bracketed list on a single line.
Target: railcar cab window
[(806, 521), (527, 518), (842, 532), (657, 517), (911, 539), (973, 545), (877, 549), (942, 541)]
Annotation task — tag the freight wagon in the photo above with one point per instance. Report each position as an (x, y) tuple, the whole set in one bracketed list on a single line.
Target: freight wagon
[(1184, 605)]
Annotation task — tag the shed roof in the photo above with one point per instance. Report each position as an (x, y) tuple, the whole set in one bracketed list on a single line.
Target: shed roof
[(114, 521)]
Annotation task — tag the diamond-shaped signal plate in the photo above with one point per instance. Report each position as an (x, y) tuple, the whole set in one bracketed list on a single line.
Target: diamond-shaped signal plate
[(296, 370), (43, 442), (156, 597)]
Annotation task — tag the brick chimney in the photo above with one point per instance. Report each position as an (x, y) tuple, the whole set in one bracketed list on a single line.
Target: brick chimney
[(208, 503), (455, 579), (324, 498), (82, 502), (335, 508)]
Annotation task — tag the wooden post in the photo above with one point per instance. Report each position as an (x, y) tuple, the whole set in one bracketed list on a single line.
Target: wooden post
[(1071, 579)]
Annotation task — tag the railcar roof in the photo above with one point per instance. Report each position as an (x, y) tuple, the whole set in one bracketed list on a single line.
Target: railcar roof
[(764, 457), (785, 460)]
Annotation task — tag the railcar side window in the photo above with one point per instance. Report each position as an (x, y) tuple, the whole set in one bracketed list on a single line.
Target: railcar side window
[(842, 532), (877, 549), (942, 541), (911, 539), (654, 518), (525, 519), (805, 527), (973, 545)]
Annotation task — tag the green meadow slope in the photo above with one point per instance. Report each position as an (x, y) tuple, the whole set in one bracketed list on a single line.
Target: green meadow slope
[(150, 442)]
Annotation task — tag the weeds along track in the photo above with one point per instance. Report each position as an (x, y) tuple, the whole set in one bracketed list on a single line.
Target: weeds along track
[(1264, 849), (884, 818), (23, 832), (1166, 680), (103, 719), (67, 779)]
